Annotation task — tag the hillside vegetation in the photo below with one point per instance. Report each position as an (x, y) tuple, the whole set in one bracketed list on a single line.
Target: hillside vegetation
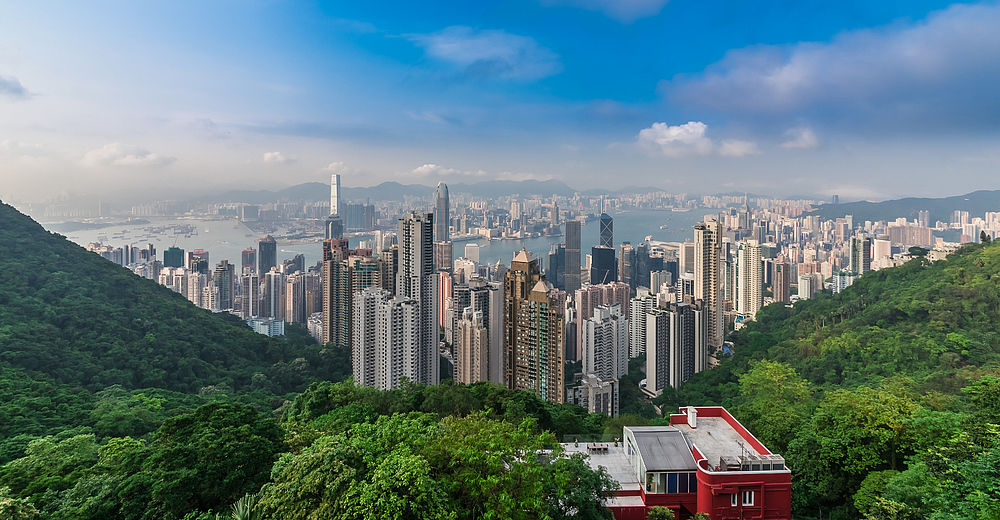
[(885, 397)]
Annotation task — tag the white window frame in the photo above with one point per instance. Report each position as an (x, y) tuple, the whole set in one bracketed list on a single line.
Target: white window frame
[(735, 500), (746, 495)]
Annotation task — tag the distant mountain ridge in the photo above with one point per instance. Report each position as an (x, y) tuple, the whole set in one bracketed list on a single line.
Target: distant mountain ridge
[(976, 203)]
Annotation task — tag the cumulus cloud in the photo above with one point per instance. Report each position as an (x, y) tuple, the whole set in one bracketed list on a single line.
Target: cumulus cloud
[(430, 170), (336, 167), (10, 87), (735, 148), (942, 70), (484, 54), (802, 138), (689, 139), (676, 141), (278, 158), (624, 11), (118, 154)]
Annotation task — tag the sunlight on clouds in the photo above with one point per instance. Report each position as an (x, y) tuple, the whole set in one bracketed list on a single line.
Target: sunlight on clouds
[(278, 157), (676, 141)]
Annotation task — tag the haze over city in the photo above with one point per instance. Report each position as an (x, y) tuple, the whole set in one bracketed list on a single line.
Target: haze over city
[(861, 99)]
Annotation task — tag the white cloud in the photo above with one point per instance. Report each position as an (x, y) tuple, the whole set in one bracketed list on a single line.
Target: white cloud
[(278, 157), (624, 11), (802, 138), (117, 154), (490, 53), (689, 139), (916, 76), (431, 170), (335, 167), (734, 148), (676, 141)]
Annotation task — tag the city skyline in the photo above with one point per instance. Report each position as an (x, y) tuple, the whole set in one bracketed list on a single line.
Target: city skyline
[(864, 101)]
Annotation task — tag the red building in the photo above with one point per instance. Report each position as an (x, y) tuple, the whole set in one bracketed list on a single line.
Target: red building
[(705, 461)]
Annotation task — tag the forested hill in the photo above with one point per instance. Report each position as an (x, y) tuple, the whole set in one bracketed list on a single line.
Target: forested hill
[(885, 398), (73, 318)]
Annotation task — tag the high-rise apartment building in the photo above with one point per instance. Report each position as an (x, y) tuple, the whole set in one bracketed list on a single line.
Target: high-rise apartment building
[(605, 343), (442, 214), (273, 296), (386, 339), (472, 348), (295, 298), (267, 255), (749, 279), (676, 346), (638, 308), (250, 299), (533, 332), (416, 281), (336, 293), (224, 278), (444, 256), (780, 280), (861, 254), (708, 278), (572, 268)]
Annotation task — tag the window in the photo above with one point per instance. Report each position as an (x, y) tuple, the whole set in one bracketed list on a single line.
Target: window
[(734, 502), (748, 498)]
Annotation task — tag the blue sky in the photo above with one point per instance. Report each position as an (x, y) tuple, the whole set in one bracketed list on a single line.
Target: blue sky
[(863, 99)]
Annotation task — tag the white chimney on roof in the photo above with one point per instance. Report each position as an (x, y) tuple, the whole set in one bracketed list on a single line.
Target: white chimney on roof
[(692, 417)]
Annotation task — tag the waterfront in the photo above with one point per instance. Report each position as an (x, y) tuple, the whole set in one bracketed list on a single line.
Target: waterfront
[(227, 238)]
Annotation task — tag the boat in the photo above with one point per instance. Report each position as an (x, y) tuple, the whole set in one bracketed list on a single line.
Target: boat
[(680, 210)]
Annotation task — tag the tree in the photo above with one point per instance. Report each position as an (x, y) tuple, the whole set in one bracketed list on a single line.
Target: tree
[(202, 461), (773, 400), (660, 513), (12, 508)]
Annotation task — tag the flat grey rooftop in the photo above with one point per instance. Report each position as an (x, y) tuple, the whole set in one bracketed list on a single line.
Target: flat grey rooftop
[(663, 448), (615, 461), (716, 438)]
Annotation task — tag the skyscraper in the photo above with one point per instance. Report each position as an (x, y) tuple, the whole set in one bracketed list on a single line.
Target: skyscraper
[(533, 332), (250, 300), (675, 345), (442, 215), (417, 281), (335, 208), (572, 268), (336, 293), (224, 279), (386, 339), (708, 283), (861, 254), (605, 343), (603, 268), (749, 279), (626, 265), (267, 255), (273, 298), (607, 231), (471, 348), (248, 259), (173, 257), (780, 280)]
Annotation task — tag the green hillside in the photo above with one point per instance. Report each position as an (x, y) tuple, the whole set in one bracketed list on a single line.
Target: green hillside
[(81, 320), (885, 398)]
